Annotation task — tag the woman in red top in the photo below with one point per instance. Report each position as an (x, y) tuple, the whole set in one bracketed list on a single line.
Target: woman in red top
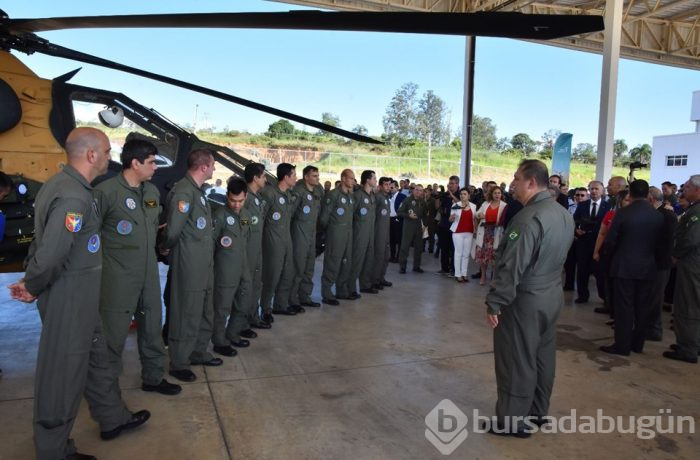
[(489, 231), (463, 218), (623, 199)]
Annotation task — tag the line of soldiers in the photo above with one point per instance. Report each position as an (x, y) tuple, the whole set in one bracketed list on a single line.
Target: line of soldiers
[(93, 266)]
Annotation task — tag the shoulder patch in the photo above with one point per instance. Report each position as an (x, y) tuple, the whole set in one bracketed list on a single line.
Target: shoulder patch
[(183, 206), (514, 235), (74, 221)]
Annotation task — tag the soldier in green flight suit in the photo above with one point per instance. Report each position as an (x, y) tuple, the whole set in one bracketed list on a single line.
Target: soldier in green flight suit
[(363, 234), (231, 272), (686, 252), (382, 224), (130, 208), (278, 268), (309, 194), (336, 218), (188, 237), (254, 175), (413, 211), (525, 299), (63, 270)]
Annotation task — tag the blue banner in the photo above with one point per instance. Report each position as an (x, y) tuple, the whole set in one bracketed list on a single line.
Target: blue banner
[(561, 156)]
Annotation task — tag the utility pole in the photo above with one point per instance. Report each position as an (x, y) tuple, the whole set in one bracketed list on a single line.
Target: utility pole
[(430, 139), (194, 124)]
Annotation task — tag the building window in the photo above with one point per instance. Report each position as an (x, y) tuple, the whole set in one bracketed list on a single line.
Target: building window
[(677, 160)]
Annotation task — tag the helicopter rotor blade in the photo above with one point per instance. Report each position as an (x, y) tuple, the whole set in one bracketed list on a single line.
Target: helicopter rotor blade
[(51, 49), (488, 24)]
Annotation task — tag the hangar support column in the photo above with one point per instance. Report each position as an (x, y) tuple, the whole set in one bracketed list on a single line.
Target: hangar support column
[(608, 89)]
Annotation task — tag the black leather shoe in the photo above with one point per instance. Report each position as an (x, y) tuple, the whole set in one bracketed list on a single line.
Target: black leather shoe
[(580, 300), (674, 355), (261, 325), (476, 276), (284, 311), (613, 350), (330, 301), (378, 287), (311, 303), (249, 334), (79, 456), (212, 362), (602, 310), (674, 347), (402, 270), (268, 318), (183, 375), (297, 309), (386, 283), (242, 343), (225, 350), (164, 388), (501, 432), (137, 419), (369, 291), (354, 296), (417, 269)]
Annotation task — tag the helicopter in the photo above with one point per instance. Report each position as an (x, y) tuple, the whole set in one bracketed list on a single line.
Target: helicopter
[(39, 113)]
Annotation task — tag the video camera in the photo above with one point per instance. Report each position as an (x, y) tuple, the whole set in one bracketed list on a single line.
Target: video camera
[(635, 166)]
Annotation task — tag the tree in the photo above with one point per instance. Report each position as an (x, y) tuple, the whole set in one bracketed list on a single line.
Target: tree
[(585, 153), (360, 129), (431, 119), (329, 119), (280, 128), (524, 143), (400, 117), (503, 144), (619, 148), (549, 138), (483, 133), (641, 153)]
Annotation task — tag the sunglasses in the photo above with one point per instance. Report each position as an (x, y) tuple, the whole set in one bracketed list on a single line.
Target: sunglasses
[(581, 194)]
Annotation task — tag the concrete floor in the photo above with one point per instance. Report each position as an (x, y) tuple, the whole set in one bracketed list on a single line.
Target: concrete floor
[(357, 381)]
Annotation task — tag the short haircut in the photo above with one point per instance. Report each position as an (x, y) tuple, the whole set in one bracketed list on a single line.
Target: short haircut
[(639, 189), (395, 183), (602, 185), (535, 169), (345, 173), (366, 175), (284, 170), (557, 176), (667, 183), (5, 181), (136, 149), (309, 169), (454, 178), (695, 180), (465, 189), (253, 170), (199, 157), (236, 186), (383, 180)]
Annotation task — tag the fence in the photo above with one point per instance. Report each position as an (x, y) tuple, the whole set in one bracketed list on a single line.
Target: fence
[(330, 164)]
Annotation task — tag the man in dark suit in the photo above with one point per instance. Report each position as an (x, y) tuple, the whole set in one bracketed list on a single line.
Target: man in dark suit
[(588, 216), (633, 243)]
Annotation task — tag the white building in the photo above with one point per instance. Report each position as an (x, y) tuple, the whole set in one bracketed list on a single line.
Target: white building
[(677, 156)]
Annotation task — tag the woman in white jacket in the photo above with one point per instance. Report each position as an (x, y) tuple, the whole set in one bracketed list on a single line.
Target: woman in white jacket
[(463, 218), (489, 230)]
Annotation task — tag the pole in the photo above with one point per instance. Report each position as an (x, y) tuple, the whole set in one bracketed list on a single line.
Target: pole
[(468, 110)]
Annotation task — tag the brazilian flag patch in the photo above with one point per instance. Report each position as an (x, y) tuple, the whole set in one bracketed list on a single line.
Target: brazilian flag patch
[(514, 235)]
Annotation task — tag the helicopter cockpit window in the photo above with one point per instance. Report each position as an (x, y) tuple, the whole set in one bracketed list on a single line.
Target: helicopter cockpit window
[(122, 124)]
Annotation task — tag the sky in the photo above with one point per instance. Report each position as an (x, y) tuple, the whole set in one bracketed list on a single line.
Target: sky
[(521, 86)]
